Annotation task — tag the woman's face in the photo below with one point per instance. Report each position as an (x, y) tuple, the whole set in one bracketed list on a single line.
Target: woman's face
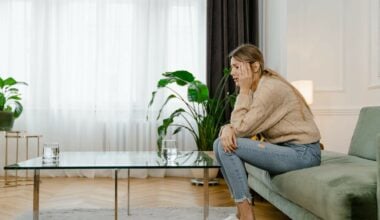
[(235, 70)]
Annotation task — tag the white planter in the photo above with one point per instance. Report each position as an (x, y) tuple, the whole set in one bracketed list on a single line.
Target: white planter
[(198, 173), (157, 172)]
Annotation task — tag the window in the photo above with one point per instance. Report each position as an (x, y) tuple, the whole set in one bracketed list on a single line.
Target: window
[(92, 65)]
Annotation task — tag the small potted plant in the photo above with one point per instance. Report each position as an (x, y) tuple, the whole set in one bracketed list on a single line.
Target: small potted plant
[(10, 105)]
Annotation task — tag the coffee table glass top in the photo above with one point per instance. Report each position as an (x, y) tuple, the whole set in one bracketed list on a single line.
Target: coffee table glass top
[(116, 159)]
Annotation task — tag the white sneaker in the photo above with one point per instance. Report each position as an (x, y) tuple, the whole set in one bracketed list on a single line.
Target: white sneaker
[(231, 217)]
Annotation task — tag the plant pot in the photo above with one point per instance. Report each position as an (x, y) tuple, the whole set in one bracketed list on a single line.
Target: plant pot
[(198, 176), (198, 173), (212, 173), (157, 172), (6, 121)]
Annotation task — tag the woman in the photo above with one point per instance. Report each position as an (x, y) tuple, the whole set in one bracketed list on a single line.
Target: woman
[(270, 106)]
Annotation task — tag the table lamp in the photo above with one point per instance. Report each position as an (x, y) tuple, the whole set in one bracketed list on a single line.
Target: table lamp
[(305, 87)]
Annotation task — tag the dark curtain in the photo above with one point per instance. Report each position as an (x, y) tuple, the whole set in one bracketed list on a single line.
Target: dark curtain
[(229, 24)]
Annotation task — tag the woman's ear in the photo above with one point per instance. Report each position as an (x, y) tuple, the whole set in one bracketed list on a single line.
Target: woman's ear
[(256, 67)]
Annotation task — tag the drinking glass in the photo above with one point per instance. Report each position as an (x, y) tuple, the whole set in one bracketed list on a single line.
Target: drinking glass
[(169, 151), (50, 153)]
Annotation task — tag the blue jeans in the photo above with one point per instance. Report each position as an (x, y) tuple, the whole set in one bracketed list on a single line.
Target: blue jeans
[(273, 158)]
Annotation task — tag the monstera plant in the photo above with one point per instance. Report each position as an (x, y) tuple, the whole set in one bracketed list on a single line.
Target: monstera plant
[(200, 114), (10, 105)]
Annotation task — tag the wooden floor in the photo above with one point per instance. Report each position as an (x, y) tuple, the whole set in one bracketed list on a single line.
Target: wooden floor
[(69, 193)]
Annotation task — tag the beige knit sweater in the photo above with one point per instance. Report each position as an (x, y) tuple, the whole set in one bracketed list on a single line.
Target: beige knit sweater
[(274, 111)]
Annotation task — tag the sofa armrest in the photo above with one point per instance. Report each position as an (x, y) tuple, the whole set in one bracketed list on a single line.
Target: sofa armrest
[(378, 176)]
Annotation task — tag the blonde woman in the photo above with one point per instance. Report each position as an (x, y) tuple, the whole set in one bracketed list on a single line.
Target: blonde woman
[(269, 106)]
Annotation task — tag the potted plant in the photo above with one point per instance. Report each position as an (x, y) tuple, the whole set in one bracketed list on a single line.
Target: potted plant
[(10, 105), (201, 114)]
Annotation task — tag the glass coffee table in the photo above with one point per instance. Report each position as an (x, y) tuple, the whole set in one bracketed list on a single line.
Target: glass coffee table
[(116, 160)]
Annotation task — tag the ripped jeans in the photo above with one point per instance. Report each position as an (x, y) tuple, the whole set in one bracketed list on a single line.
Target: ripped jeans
[(273, 158)]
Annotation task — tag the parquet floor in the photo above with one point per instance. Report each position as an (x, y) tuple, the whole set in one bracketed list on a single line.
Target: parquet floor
[(69, 193)]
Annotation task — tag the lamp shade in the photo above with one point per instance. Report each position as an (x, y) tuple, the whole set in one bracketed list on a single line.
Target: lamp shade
[(305, 87)]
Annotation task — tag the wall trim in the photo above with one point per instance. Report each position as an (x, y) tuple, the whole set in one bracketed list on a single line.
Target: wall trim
[(377, 86), (336, 111)]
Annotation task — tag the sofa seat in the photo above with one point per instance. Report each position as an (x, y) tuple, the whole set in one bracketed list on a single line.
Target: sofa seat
[(320, 189)]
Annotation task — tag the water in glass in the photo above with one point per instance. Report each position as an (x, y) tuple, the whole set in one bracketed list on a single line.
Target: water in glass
[(50, 153), (169, 150)]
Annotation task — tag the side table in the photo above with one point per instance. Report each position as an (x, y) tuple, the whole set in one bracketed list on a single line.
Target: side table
[(18, 135)]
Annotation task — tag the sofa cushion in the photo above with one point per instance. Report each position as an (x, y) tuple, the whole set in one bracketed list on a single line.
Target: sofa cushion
[(295, 211), (260, 174), (343, 187), (266, 178), (363, 142), (378, 176)]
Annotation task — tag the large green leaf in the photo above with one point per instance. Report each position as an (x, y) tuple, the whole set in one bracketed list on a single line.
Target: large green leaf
[(162, 130), (18, 109), (167, 74), (177, 130), (12, 89), (197, 92), (23, 83), (152, 99), (2, 101), (183, 77), (159, 143), (226, 71), (10, 82), (15, 97), (1, 83), (164, 82), (166, 102), (177, 112), (11, 92), (180, 74)]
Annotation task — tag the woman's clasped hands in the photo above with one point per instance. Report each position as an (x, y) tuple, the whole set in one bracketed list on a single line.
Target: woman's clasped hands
[(228, 139)]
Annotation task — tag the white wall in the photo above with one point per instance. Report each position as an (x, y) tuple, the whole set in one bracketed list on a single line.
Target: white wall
[(335, 44), (274, 37)]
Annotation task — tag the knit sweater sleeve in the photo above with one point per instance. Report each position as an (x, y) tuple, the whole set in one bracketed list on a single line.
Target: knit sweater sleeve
[(257, 113)]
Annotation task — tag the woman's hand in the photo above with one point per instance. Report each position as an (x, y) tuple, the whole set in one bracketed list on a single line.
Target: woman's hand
[(228, 139), (245, 77)]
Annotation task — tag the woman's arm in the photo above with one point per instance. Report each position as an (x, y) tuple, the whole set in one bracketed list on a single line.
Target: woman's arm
[(256, 113)]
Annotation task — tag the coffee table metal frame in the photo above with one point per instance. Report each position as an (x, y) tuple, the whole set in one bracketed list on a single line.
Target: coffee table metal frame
[(36, 184)]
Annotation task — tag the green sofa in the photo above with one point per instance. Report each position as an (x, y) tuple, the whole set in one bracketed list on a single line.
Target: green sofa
[(343, 187)]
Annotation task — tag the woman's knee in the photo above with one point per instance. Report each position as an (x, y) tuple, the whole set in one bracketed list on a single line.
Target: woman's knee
[(216, 145)]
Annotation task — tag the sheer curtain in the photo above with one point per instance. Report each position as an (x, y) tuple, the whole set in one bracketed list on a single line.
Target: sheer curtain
[(91, 66)]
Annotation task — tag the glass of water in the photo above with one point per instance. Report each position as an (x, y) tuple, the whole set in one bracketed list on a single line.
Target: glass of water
[(50, 153), (169, 151)]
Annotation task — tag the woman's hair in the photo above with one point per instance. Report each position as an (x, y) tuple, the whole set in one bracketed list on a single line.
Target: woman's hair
[(250, 53)]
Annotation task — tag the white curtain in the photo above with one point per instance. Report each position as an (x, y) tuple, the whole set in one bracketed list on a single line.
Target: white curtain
[(91, 66)]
